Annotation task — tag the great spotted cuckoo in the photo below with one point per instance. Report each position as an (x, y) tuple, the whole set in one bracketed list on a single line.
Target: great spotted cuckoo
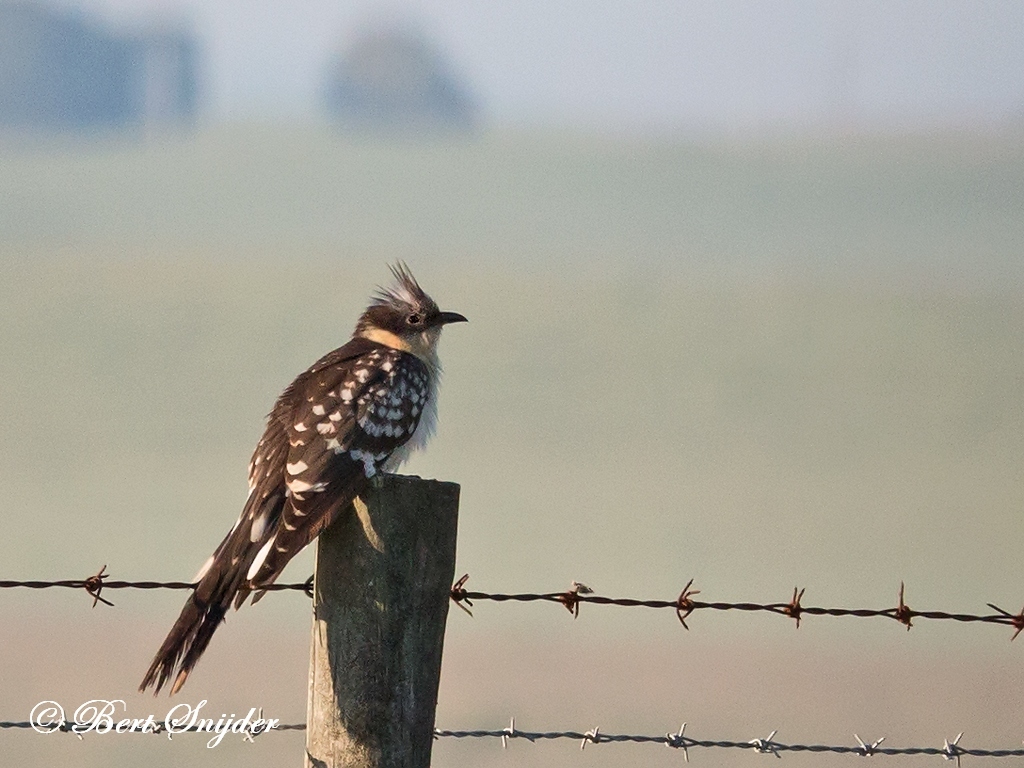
[(355, 413)]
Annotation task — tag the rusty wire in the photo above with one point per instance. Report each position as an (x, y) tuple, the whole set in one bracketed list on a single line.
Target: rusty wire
[(99, 581), (685, 604)]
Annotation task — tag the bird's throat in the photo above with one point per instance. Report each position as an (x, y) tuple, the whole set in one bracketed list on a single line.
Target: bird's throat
[(423, 345), (388, 339)]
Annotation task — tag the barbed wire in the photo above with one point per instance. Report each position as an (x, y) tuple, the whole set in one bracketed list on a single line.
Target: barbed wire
[(68, 726), (950, 750), (683, 605), (95, 584)]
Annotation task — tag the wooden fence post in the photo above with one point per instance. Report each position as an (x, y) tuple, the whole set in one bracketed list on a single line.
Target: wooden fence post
[(380, 599)]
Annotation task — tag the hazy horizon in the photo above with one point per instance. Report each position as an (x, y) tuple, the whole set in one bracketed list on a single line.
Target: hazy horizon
[(654, 66)]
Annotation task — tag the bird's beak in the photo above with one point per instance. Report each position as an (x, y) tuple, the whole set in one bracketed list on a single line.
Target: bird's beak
[(451, 317)]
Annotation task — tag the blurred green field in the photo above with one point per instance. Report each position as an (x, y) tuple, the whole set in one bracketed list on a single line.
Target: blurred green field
[(756, 364), (946, 204)]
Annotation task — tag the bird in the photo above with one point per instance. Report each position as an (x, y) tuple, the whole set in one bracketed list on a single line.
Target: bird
[(356, 413)]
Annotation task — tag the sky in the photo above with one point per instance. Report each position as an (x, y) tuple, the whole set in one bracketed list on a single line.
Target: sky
[(634, 66)]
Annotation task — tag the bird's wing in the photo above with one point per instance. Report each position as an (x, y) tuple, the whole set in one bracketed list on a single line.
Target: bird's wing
[(262, 510), (346, 420), (328, 433)]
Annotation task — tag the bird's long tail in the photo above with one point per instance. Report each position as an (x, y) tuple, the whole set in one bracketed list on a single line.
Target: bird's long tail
[(202, 614)]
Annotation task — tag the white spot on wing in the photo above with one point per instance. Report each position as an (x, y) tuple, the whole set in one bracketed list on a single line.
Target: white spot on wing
[(259, 527), (297, 468), (261, 557), (297, 487)]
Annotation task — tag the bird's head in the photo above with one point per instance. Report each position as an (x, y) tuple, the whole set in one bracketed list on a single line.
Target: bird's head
[(403, 316)]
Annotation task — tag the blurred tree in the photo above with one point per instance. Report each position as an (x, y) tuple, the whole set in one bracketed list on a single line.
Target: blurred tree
[(391, 78), (60, 71)]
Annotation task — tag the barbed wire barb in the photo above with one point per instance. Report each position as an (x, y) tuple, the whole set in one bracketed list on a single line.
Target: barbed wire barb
[(678, 741), (94, 586), (766, 746), (510, 733), (684, 603), (458, 594), (1016, 620), (794, 609), (950, 750), (868, 750), (249, 736), (594, 736), (903, 612), (571, 598)]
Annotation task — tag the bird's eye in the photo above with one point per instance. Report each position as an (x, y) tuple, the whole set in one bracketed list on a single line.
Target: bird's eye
[(414, 319)]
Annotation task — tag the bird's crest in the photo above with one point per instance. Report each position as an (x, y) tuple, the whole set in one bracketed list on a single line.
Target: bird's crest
[(404, 291)]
